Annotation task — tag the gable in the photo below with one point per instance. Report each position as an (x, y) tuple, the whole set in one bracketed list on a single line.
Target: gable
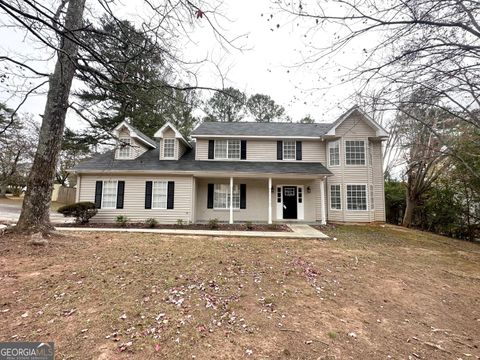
[(355, 125), (355, 122), (168, 133)]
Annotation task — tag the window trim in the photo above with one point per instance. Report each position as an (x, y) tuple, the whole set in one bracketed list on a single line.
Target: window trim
[(166, 194), (367, 202), (330, 143), (129, 147), (103, 194), (330, 196), (228, 196), (215, 157), (174, 146), (365, 162), (294, 150)]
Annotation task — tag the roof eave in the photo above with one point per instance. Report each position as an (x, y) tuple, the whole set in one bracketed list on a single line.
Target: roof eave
[(202, 136)]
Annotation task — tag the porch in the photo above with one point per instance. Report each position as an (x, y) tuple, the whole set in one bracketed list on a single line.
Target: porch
[(267, 199)]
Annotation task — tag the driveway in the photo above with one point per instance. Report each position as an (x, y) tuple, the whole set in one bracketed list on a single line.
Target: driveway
[(10, 211)]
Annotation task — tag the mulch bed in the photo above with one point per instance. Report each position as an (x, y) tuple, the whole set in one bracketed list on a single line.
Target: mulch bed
[(221, 227)]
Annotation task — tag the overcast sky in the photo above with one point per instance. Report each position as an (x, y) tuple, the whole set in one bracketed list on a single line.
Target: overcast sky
[(272, 47)]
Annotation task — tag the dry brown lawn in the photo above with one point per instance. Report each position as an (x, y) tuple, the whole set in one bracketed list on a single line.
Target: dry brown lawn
[(374, 293)]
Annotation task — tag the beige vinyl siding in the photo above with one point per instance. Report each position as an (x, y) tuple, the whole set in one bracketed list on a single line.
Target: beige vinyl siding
[(266, 150), (355, 128), (257, 200), (134, 200), (201, 149), (378, 182)]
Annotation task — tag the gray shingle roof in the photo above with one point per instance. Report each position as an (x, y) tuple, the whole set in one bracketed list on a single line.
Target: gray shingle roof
[(262, 129), (143, 136), (149, 161)]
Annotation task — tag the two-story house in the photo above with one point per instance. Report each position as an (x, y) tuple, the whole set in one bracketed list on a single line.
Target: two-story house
[(236, 172)]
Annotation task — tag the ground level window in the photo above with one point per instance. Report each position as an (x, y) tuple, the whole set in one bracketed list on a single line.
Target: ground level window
[(356, 197), (221, 196), (335, 197), (109, 194), (159, 195)]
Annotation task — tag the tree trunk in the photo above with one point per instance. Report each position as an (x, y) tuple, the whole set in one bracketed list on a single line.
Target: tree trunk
[(411, 204), (3, 190), (36, 205)]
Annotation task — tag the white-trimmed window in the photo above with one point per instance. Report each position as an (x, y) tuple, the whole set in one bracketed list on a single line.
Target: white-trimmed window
[(227, 149), (289, 149), (159, 194), (125, 148), (109, 194), (169, 148), (355, 152), (356, 197), (335, 197), (221, 196), (334, 153)]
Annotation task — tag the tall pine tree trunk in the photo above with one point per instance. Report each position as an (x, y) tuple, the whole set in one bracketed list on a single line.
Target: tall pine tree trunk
[(36, 205)]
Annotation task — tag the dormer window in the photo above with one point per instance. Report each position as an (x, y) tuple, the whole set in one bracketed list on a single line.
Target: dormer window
[(125, 150), (169, 148)]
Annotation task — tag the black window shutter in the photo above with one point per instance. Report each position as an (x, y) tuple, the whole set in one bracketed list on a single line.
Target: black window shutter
[(120, 194), (298, 150), (98, 194), (210, 197), (243, 196), (279, 150), (170, 194), (243, 150), (211, 149), (148, 195)]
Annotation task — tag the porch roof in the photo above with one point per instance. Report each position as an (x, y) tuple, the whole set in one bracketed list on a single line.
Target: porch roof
[(149, 162)]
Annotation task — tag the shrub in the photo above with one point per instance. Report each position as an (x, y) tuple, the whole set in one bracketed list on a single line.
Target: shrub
[(180, 222), (121, 220), (151, 223), (249, 225), (81, 211), (213, 224)]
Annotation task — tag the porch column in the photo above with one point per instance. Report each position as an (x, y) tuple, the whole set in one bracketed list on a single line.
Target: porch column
[(269, 200), (231, 201), (322, 202)]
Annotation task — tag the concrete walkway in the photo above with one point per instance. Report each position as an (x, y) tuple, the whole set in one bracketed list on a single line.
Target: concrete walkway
[(299, 231)]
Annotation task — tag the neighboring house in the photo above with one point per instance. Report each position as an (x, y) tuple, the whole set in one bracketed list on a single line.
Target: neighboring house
[(235, 172)]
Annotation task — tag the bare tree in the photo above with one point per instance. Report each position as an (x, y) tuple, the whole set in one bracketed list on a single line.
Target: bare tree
[(406, 46), (424, 157), (16, 154), (62, 30)]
